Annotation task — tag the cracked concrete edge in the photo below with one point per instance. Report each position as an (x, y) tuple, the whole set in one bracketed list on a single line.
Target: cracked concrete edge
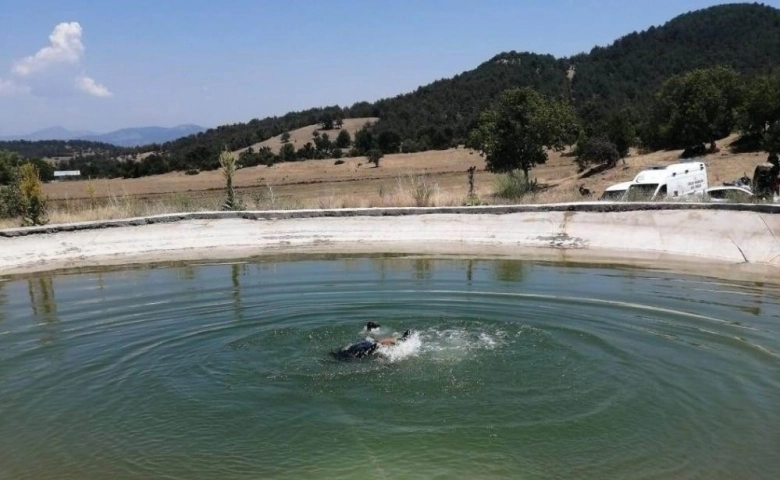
[(593, 207)]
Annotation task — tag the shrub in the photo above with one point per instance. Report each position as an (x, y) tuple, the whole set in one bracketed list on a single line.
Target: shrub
[(31, 202), (192, 171), (420, 187), (513, 186), (228, 163), (596, 151), (338, 162)]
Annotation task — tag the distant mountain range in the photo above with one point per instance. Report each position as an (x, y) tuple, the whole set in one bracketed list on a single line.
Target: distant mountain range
[(126, 137)]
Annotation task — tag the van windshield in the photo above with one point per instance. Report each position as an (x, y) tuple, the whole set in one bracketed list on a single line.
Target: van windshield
[(641, 191)]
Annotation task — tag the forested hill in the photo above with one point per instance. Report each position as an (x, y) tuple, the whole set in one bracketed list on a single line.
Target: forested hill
[(60, 148), (622, 76), (627, 73)]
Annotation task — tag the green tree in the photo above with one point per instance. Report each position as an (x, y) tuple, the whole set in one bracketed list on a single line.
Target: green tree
[(265, 156), (410, 146), (771, 139), (364, 139), (307, 152), (374, 155), (323, 143), (8, 162), (517, 131), (343, 139), (388, 141), (760, 117), (326, 121), (597, 151), (285, 137), (287, 153), (620, 132), (697, 108)]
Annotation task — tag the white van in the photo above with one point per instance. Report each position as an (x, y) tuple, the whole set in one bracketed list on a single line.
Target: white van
[(670, 182), (616, 192)]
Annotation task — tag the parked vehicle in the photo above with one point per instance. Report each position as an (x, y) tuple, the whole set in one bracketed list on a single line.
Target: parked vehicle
[(728, 194), (670, 182), (616, 192)]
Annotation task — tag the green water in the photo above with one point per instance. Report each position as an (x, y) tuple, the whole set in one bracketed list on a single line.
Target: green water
[(517, 370)]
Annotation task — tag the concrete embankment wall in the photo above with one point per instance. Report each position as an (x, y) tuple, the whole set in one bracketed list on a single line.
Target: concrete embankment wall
[(720, 233)]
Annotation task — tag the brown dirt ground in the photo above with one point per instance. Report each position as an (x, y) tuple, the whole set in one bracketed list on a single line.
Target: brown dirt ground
[(309, 180)]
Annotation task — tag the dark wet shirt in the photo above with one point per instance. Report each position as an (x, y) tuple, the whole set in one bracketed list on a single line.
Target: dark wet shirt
[(357, 350)]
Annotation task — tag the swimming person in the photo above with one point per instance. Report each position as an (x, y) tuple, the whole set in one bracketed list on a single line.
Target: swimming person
[(369, 346)]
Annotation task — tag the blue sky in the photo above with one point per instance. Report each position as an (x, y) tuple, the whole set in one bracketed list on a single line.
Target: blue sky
[(116, 63)]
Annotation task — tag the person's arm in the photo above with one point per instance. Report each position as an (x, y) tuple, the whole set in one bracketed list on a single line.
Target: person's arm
[(386, 341)]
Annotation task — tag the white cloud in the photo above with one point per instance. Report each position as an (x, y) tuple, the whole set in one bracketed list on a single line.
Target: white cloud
[(9, 87), (87, 85), (56, 69), (66, 48)]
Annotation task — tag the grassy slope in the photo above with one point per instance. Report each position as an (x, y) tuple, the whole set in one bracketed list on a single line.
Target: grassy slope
[(300, 136)]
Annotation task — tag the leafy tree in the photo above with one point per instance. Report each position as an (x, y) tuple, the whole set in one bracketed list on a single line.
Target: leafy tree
[(8, 162), (285, 137), (374, 155), (287, 153), (343, 139), (696, 108), (410, 146), (323, 143), (246, 158), (517, 131), (364, 139), (326, 121), (337, 153), (620, 132), (771, 139), (265, 156), (597, 151), (307, 152), (388, 141), (760, 117)]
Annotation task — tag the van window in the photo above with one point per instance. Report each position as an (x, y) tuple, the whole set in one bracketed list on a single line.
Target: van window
[(641, 191), (662, 191)]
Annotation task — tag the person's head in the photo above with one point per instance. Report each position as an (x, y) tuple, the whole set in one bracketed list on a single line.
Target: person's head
[(407, 334), (371, 326)]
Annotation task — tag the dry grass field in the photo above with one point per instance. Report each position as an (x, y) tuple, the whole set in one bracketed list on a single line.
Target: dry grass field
[(300, 136), (435, 178)]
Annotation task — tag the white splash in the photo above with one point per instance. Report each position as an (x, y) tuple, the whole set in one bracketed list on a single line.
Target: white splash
[(402, 350), (450, 345)]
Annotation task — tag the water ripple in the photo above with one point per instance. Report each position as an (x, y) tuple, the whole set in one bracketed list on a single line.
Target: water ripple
[(515, 369)]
